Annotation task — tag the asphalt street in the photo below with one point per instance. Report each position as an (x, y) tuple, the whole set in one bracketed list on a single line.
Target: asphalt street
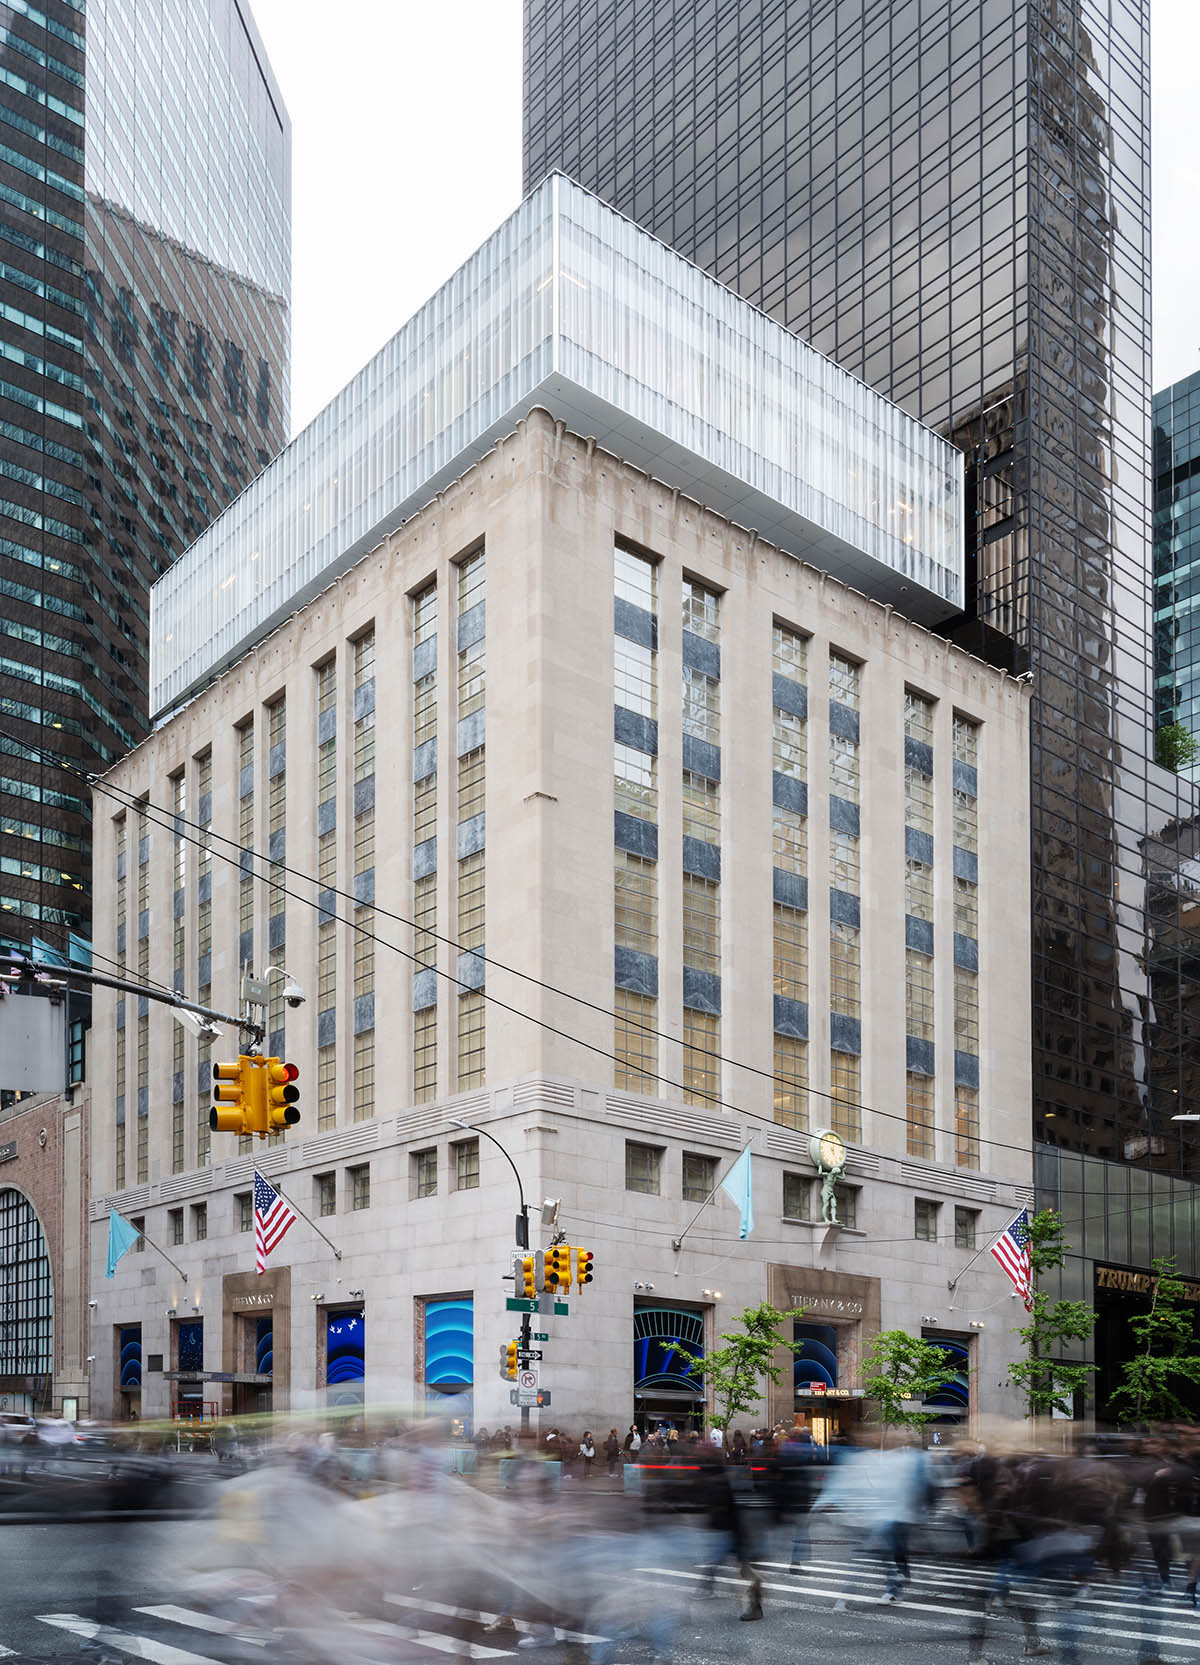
[(113, 1592)]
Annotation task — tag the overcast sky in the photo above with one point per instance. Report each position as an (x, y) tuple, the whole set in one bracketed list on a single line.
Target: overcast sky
[(406, 129)]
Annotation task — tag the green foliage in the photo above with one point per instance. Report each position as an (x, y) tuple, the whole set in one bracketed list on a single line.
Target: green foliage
[(1050, 1383), (1166, 1338), (738, 1369), (898, 1366), (1175, 747)]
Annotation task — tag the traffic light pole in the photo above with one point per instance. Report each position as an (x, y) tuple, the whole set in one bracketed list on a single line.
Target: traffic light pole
[(54, 976), (526, 1338)]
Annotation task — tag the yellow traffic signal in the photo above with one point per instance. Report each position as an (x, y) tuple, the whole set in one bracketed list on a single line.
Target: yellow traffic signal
[(510, 1360), (528, 1278), (228, 1114), (584, 1260), (281, 1095), (558, 1268)]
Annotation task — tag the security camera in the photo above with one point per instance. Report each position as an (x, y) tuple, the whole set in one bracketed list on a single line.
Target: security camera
[(293, 993), (93, 1304), (204, 1031)]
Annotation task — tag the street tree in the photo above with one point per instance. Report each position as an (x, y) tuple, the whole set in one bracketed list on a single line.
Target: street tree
[(1048, 1381), (738, 1370), (1167, 1353), (898, 1368)]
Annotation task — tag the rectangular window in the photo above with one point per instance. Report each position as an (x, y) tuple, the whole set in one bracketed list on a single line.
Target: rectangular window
[(790, 841), (965, 1222), (634, 676), (918, 717), (699, 1176), (243, 1210), (466, 1165), (797, 1197), (424, 1167), (364, 1076), (918, 890), (325, 1194), (925, 1220), (471, 781), (791, 1081), (966, 908), (845, 1094), (636, 902), (846, 1197), (966, 820), (471, 901), (966, 741), (635, 579), (789, 652), (918, 994), (425, 1055), (701, 808), (635, 1042), (701, 706), (845, 681), (789, 745), (643, 1168), (701, 1060), (358, 1183), (635, 785), (701, 924), (199, 1222), (326, 1087), (919, 1114), (966, 1011), (701, 610), (174, 1225), (966, 1127), (845, 970), (791, 952), (471, 1041)]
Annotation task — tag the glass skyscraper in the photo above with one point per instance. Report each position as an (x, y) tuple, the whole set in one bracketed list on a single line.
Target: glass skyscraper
[(953, 202), (145, 179), (1177, 558)]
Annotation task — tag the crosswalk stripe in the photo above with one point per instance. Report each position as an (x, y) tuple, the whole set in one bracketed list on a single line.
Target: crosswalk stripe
[(476, 1616), (7, 1653), (432, 1639), (1027, 1590), (201, 1621), (1045, 1621), (142, 1647)]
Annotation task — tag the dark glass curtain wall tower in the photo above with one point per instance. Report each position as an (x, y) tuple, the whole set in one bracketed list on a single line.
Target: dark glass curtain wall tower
[(145, 180), (953, 202)]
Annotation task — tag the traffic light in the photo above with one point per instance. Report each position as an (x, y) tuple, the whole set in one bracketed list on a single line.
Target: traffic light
[(532, 1274), (281, 1095), (228, 1114), (558, 1268), (584, 1260), (510, 1360)]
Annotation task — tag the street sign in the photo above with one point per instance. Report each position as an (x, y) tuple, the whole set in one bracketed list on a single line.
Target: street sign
[(524, 1353), (527, 1397), (518, 1303), (517, 1397), (540, 1335), (527, 1379)]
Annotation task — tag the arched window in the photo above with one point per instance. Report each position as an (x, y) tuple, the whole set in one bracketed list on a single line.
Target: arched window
[(26, 1290)]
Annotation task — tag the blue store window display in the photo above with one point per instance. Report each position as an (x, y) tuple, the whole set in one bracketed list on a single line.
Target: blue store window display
[(345, 1357)]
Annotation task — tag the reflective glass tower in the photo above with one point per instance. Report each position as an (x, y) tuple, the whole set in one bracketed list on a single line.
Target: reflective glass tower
[(145, 176), (1177, 558), (953, 202)]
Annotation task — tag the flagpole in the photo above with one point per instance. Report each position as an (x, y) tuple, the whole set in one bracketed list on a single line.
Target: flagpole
[(337, 1253), (952, 1283), (677, 1242), (164, 1254)]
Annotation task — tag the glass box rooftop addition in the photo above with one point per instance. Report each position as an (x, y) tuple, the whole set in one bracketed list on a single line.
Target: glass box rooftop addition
[(572, 307)]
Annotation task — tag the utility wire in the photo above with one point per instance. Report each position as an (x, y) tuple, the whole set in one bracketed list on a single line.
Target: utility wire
[(170, 821)]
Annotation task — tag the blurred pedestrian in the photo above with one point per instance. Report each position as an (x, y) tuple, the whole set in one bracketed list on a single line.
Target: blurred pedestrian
[(587, 1451), (612, 1452)]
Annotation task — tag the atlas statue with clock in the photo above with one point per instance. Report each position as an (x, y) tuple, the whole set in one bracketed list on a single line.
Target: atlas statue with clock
[(828, 1153)]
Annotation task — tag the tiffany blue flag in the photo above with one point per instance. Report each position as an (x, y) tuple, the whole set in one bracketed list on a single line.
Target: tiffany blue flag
[(121, 1238), (738, 1185)]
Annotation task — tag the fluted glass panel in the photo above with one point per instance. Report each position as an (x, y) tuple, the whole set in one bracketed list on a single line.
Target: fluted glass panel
[(574, 308)]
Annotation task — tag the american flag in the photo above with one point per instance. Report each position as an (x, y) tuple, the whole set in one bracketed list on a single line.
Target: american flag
[(272, 1217), (1011, 1249)]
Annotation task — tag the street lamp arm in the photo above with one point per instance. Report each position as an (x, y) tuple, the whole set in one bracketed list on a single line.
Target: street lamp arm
[(483, 1132)]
